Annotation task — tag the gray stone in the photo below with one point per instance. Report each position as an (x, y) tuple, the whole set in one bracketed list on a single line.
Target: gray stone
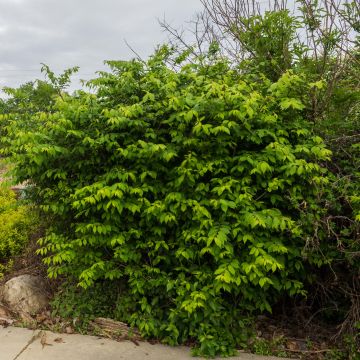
[(25, 294)]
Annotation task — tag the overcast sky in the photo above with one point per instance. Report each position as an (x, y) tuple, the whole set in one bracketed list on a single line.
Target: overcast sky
[(65, 33)]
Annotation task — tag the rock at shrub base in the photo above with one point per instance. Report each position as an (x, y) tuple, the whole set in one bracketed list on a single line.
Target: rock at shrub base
[(25, 294)]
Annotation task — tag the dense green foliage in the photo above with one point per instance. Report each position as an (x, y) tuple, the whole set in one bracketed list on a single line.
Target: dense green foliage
[(197, 187), (17, 223)]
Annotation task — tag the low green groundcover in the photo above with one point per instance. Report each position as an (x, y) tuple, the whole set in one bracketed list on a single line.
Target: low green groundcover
[(17, 222)]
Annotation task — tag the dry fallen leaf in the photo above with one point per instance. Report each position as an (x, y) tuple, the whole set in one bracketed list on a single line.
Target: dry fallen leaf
[(4, 312), (292, 345), (26, 317), (41, 317), (6, 322), (69, 330), (43, 340), (59, 340)]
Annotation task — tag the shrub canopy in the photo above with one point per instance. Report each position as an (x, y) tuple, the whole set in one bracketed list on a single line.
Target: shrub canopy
[(197, 188)]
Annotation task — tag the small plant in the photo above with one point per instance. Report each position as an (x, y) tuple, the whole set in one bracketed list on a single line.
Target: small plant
[(262, 347), (83, 305), (17, 223)]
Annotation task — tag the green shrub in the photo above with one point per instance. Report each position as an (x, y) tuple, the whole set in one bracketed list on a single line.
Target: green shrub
[(197, 189), (17, 223)]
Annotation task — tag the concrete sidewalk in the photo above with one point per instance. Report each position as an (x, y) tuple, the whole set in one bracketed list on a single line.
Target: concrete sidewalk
[(24, 344)]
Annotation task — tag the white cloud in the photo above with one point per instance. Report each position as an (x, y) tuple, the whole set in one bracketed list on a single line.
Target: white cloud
[(64, 33)]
